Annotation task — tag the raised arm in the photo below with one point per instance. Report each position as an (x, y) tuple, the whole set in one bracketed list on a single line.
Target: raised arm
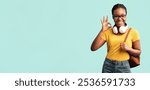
[(98, 41)]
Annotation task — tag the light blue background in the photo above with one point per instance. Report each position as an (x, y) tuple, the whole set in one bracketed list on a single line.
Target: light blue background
[(56, 35)]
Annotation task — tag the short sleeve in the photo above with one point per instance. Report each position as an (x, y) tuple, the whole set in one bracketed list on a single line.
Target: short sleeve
[(103, 36), (135, 36)]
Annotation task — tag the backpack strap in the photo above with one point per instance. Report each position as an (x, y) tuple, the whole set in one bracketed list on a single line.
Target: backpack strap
[(127, 34)]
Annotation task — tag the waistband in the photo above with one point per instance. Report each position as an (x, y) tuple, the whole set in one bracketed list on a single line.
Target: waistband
[(115, 60)]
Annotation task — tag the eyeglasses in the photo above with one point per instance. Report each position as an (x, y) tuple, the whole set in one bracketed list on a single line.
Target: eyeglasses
[(119, 16)]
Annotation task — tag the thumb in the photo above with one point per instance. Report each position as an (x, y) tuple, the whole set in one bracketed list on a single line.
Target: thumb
[(109, 25)]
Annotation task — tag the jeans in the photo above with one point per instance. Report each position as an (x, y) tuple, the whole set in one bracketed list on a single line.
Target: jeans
[(112, 66)]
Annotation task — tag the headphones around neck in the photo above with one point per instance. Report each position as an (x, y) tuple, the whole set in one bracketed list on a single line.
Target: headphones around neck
[(121, 29)]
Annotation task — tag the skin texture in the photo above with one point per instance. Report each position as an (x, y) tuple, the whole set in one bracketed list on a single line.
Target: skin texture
[(119, 17)]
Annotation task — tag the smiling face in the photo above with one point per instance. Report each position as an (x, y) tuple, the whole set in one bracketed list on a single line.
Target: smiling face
[(119, 16)]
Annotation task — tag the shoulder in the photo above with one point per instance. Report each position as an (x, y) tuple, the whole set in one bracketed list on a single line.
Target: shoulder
[(134, 34), (106, 34), (133, 30), (108, 31)]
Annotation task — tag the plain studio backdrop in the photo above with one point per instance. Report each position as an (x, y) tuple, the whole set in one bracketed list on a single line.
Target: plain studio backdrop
[(55, 35)]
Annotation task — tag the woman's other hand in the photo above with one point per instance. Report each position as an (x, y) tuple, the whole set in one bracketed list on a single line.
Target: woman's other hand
[(124, 47)]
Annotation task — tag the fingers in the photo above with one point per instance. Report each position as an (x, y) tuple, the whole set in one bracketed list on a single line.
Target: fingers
[(105, 19), (121, 44), (105, 23), (124, 46)]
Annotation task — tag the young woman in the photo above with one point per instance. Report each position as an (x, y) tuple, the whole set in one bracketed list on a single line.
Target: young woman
[(118, 51)]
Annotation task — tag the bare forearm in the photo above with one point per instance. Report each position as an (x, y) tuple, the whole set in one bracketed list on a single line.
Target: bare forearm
[(97, 43), (97, 39), (134, 52)]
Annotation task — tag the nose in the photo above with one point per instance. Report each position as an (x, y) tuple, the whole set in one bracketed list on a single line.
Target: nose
[(119, 18)]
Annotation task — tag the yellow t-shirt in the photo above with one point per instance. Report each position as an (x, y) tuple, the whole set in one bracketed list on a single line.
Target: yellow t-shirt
[(114, 51)]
